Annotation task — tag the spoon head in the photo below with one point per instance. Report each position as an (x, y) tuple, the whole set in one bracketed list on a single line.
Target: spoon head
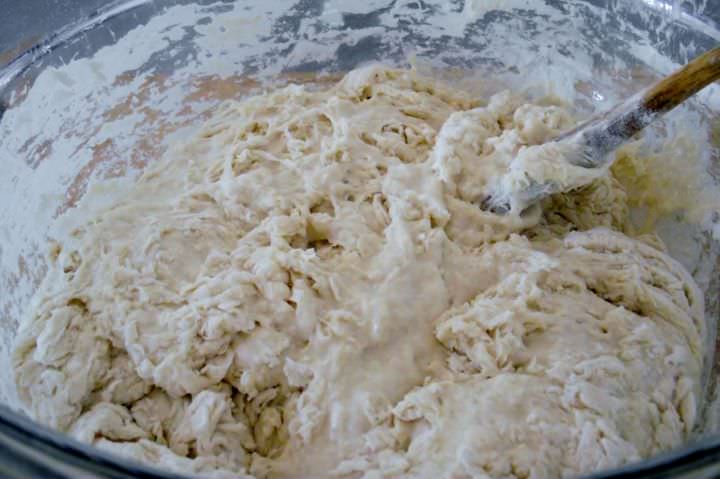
[(582, 158), (521, 200)]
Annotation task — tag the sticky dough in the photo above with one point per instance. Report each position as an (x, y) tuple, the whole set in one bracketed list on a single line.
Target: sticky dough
[(309, 288)]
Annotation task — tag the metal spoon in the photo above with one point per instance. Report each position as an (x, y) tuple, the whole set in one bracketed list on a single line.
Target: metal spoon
[(596, 138)]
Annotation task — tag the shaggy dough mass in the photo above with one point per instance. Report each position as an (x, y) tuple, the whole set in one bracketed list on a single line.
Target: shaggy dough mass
[(308, 288)]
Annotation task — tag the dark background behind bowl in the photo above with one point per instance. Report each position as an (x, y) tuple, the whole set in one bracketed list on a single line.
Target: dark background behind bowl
[(23, 23)]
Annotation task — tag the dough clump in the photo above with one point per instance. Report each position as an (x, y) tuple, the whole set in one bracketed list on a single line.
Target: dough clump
[(309, 288)]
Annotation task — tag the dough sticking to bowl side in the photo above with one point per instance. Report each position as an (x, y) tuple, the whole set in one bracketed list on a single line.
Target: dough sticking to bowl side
[(310, 288)]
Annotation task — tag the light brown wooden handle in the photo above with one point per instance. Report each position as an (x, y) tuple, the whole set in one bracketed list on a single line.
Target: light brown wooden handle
[(606, 132), (685, 82)]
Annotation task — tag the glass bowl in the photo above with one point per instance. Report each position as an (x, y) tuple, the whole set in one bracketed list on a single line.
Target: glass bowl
[(96, 90)]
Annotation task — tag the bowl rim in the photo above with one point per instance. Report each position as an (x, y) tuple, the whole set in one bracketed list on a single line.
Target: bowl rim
[(22, 61)]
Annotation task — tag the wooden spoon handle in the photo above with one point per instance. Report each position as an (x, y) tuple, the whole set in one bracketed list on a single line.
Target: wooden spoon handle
[(685, 82), (605, 133)]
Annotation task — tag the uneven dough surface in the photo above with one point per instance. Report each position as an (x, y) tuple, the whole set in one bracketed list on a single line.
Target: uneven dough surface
[(308, 288)]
